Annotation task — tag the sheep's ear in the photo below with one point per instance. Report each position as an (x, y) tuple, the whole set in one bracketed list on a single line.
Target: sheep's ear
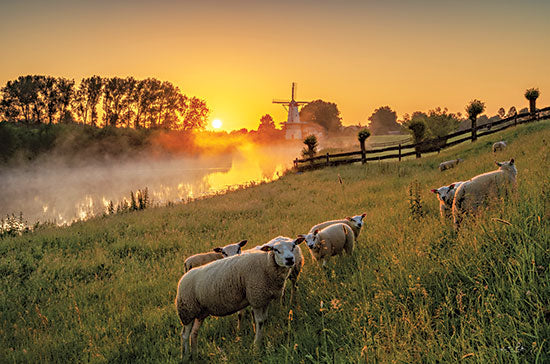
[(512, 161), (363, 215), (266, 248), (498, 163), (217, 250), (433, 190), (243, 243), (299, 239), (348, 218), (451, 186), (316, 232)]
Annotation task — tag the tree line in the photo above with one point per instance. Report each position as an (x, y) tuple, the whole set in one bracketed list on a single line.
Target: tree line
[(124, 102)]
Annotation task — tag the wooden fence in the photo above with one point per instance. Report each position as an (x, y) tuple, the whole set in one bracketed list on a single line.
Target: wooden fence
[(405, 150)]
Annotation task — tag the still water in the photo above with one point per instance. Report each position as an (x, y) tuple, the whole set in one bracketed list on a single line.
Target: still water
[(55, 192)]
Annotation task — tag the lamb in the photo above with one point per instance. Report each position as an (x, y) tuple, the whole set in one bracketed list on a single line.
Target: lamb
[(474, 192), (445, 195), (228, 285), (218, 253), (355, 223), (499, 146), (330, 241), (449, 164)]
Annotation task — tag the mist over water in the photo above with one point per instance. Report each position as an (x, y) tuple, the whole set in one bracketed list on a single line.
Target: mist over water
[(52, 190)]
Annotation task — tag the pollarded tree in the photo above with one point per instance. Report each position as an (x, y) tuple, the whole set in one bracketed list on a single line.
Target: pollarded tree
[(362, 136), (532, 94), (474, 108)]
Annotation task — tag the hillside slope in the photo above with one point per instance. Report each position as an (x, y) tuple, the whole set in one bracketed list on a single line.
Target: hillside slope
[(413, 291)]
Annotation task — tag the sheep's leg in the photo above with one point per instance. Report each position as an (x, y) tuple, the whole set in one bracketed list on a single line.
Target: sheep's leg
[(194, 333), (185, 331), (260, 316)]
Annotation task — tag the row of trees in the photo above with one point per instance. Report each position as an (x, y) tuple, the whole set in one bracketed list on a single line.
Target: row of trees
[(127, 102)]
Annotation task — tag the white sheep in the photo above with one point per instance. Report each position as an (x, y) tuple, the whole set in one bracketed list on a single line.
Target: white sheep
[(449, 164), (499, 146), (218, 253), (296, 268), (474, 192), (445, 195), (228, 285), (330, 241), (355, 223)]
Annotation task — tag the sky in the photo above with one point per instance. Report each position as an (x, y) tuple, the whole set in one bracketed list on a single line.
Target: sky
[(240, 55)]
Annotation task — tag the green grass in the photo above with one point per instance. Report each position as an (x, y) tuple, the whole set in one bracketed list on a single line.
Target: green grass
[(413, 291)]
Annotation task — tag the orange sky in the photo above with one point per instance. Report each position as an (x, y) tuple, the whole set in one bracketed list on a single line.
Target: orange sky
[(239, 55)]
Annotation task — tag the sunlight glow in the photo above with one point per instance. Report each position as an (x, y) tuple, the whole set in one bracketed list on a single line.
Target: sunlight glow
[(217, 123)]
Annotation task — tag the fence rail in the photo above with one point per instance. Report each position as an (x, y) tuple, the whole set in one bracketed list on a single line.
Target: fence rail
[(432, 145)]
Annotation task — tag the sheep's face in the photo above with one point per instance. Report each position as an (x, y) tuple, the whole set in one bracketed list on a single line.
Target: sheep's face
[(283, 250), (508, 166), (445, 194), (356, 221), (312, 239), (231, 249)]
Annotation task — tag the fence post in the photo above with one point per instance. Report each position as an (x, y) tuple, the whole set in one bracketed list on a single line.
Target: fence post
[(327, 159), (400, 152), (474, 130), (516, 120)]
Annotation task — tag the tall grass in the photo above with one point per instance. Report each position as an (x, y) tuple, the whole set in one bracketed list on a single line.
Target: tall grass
[(413, 291)]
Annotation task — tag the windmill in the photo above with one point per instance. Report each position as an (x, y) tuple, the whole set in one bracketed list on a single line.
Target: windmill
[(293, 125)]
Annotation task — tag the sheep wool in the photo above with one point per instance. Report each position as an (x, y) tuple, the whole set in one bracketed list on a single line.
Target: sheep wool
[(473, 193), (330, 241), (445, 195), (228, 285), (218, 253), (449, 164), (355, 223)]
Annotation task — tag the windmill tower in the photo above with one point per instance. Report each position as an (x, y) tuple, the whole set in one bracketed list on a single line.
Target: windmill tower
[(293, 125)]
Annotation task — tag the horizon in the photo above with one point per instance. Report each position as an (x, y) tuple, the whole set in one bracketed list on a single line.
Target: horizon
[(238, 57)]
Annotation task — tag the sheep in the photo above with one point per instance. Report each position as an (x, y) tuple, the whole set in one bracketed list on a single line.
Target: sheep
[(472, 193), (449, 164), (296, 268), (355, 223), (228, 285), (218, 253), (330, 241), (445, 195), (499, 146)]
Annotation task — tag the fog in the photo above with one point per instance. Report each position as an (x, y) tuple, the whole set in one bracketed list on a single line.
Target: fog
[(52, 190)]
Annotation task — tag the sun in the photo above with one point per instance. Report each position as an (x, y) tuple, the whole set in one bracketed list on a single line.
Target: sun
[(216, 124)]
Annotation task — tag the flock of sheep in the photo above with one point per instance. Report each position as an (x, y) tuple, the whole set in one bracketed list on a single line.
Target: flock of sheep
[(463, 197), (227, 280)]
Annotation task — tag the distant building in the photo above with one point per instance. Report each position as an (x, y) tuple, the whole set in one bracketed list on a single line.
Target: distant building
[(300, 130), (293, 127)]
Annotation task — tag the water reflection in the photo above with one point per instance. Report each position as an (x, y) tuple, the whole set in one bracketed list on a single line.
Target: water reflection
[(54, 191)]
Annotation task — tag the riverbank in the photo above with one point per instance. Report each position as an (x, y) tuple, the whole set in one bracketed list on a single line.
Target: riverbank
[(413, 291)]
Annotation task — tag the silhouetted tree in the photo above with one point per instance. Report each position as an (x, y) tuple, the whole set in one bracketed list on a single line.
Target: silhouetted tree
[(52, 98), (418, 131), (66, 94), (512, 111), (323, 113), (362, 136), (383, 120), (474, 108), (501, 112), (89, 96), (266, 124), (532, 94), (311, 144)]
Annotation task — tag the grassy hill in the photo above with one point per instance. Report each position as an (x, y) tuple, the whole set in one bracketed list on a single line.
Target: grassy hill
[(413, 291)]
